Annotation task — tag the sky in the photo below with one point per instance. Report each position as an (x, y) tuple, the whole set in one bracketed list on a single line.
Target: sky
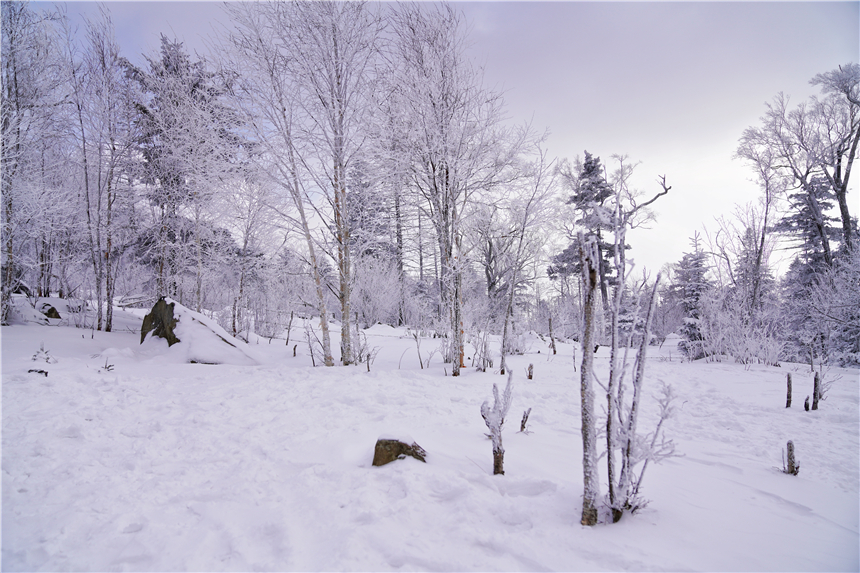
[(672, 85)]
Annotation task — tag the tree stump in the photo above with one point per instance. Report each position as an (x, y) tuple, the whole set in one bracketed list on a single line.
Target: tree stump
[(793, 467), (806, 404), (788, 392), (525, 420), (531, 371)]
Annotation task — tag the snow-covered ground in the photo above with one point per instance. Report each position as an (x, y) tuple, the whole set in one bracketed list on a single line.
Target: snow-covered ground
[(125, 458)]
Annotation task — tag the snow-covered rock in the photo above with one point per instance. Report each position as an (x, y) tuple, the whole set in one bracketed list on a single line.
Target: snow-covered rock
[(198, 339)]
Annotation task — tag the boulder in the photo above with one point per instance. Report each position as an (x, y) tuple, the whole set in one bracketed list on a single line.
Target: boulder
[(49, 311), (389, 450), (160, 322)]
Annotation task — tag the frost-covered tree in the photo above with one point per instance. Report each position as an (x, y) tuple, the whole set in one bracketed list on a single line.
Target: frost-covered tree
[(591, 287), (813, 142), (29, 106), (104, 97), (189, 147), (589, 194), (260, 58), (529, 208), (692, 284), (458, 148), (333, 49)]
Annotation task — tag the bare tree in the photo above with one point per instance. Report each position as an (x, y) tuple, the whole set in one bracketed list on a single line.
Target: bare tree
[(334, 49), (529, 210), (817, 140), (103, 98), (457, 145), (30, 98), (629, 212), (840, 132)]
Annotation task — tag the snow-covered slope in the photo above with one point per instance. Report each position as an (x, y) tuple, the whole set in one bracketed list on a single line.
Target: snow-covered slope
[(120, 460)]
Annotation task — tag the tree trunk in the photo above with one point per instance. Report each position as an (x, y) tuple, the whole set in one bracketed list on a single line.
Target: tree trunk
[(498, 460), (816, 391), (551, 337), (591, 288), (788, 391)]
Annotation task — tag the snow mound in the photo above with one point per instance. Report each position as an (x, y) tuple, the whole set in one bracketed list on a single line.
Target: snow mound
[(201, 340)]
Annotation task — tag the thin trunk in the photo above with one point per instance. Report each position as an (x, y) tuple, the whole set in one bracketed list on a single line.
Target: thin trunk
[(321, 306), (199, 248), (398, 238), (590, 276), (625, 479), (420, 250)]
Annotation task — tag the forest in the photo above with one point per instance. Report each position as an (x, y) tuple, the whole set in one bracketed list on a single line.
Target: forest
[(345, 160)]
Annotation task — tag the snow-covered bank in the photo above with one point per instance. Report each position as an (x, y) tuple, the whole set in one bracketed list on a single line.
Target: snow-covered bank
[(120, 460)]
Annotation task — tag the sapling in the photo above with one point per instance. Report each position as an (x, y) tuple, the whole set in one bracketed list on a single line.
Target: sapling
[(43, 354), (495, 419)]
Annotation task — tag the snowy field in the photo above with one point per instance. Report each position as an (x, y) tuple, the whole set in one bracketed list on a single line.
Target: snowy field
[(126, 458)]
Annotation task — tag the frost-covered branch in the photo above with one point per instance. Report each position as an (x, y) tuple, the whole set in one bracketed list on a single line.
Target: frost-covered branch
[(495, 418)]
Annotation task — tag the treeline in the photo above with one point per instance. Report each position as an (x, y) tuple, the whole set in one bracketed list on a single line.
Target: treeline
[(346, 161)]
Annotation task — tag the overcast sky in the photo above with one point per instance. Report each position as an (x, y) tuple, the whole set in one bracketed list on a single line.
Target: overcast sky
[(672, 84)]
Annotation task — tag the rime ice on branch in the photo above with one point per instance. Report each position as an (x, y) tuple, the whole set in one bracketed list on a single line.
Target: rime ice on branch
[(495, 419)]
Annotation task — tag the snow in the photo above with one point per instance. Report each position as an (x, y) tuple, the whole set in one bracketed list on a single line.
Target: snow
[(126, 457)]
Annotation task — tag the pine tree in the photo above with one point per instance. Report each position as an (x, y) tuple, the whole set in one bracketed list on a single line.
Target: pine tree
[(590, 193), (806, 333), (692, 284)]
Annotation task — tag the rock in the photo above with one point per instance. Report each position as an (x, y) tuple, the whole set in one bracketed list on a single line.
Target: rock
[(160, 322), (389, 450), (50, 311)]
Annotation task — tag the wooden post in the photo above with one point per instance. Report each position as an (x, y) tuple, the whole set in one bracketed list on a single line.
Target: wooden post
[(788, 392), (816, 391)]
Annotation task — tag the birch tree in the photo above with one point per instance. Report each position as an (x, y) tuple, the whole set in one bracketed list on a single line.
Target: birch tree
[(529, 210), (265, 94), (629, 212), (334, 49), (103, 100), (457, 144), (32, 74)]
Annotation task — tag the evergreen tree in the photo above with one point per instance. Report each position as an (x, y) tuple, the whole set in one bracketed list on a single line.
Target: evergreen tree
[(188, 143), (692, 285), (806, 334), (590, 193)]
